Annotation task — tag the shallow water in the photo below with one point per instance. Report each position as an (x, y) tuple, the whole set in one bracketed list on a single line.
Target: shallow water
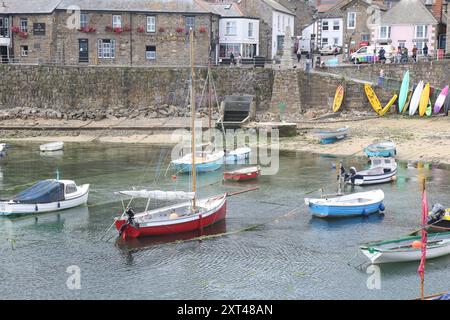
[(285, 257)]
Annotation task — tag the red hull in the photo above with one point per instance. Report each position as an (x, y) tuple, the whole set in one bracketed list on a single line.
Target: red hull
[(196, 224), (241, 176)]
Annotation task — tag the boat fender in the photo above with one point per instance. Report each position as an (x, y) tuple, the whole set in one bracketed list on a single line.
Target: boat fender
[(381, 207), (59, 205), (36, 208)]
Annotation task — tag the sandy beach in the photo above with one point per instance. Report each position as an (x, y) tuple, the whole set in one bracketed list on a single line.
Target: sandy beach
[(417, 139)]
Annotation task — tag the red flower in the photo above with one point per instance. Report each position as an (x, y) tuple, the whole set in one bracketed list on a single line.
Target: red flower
[(179, 30), (202, 29), (23, 35), (141, 29), (15, 29), (161, 29), (118, 30)]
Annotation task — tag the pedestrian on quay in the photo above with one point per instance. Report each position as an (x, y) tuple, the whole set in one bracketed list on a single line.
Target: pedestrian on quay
[(414, 53), (425, 51), (405, 55), (308, 62), (398, 56), (382, 55), (299, 54), (231, 59)]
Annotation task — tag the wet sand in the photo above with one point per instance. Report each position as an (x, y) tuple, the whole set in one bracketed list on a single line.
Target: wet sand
[(417, 139)]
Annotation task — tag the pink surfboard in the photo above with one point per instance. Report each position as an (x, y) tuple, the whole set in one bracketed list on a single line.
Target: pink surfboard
[(440, 100)]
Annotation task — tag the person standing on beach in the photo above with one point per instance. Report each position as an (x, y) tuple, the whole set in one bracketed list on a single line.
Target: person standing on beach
[(414, 53), (299, 54)]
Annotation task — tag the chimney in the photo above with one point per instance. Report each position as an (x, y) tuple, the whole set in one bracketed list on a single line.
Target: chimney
[(436, 9)]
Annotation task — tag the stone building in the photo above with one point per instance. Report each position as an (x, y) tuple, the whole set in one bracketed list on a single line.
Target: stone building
[(119, 32), (274, 19)]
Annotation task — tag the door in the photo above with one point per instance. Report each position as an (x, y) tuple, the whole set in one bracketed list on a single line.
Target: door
[(4, 54), (83, 56)]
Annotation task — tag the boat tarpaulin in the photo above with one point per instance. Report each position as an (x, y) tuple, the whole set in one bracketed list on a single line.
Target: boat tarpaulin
[(159, 195), (443, 297), (45, 191)]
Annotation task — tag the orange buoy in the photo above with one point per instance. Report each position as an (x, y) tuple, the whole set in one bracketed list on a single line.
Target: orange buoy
[(416, 244)]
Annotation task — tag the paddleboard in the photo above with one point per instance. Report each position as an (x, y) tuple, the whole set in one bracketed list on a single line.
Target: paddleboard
[(424, 98), (388, 106), (415, 99), (447, 104), (404, 89), (429, 110), (338, 98), (373, 99), (440, 100)]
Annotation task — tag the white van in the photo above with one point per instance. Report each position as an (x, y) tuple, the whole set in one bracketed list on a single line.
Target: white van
[(366, 53)]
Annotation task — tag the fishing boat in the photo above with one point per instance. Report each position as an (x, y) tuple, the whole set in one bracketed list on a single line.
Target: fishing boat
[(190, 215), (439, 218), (407, 248), (204, 162), (382, 149), (243, 174), (331, 135), (381, 170), (355, 204), (46, 196), (238, 155), (52, 146)]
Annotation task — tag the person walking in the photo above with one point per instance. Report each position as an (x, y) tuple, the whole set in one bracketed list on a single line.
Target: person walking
[(231, 59), (299, 54), (414, 53), (398, 56), (425, 51), (308, 62), (382, 55)]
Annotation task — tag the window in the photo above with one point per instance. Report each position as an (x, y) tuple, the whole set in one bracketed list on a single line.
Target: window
[(324, 25), (336, 25), (402, 43), (421, 31), (151, 24), (324, 41), (24, 51), (83, 20), (150, 52), (351, 20), (71, 188), (365, 37), (23, 25), (106, 49), (385, 32), (336, 41), (250, 30), (284, 23), (227, 48), (231, 28), (420, 45), (4, 27), (279, 23), (429, 2), (117, 21), (190, 23)]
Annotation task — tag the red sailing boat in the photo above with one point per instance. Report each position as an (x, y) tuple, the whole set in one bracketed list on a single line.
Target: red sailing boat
[(195, 214), (244, 174)]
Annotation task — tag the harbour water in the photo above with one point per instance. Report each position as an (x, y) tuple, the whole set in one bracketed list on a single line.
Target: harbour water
[(284, 256)]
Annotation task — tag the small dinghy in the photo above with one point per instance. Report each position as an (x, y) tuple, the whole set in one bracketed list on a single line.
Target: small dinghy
[(52, 146), (46, 196), (3, 147), (243, 174), (238, 155), (204, 162), (407, 248), (383, 149), (331, 135), (381, 170), (356, 204), (439, 218)]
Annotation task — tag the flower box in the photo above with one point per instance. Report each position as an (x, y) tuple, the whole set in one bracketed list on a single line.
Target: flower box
[(141, 29), (88, 30), (202, 29), (179, 30), (118, 30), (15, 29)]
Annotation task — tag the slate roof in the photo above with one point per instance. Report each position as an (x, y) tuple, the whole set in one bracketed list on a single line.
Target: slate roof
[(29, 6), (409, 12), (179, 6), (227, 10), (278, 7)]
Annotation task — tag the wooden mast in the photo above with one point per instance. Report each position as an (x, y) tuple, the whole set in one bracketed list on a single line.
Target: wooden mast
[(194, 171)]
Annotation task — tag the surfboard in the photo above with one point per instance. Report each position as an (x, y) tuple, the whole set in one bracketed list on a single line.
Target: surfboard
[(388, 106), (373, 99), (338, 98), (440, 100), (404, 88), (415, 99), (408, 100), (429, 110), (447, 104), (424, 98)]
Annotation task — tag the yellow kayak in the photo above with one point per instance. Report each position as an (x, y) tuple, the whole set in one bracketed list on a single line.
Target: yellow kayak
[(338, 98), (373, 99), (424, 98), (388, 106)]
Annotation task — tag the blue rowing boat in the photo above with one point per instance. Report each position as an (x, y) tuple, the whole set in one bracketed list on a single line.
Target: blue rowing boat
[(383, 149), (356, 204)]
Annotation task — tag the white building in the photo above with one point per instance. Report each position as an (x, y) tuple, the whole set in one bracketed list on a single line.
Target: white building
[(238, 34), (282, 19), (330, 27)]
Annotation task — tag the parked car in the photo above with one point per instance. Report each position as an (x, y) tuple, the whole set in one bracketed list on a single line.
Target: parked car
[(331, 49)]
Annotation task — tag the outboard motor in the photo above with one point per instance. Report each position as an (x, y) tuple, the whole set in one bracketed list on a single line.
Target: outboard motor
[(130, 221), (437, 213)]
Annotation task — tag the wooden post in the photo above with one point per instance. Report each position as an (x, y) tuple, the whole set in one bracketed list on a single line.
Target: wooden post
[(194, 171), (422, 279)]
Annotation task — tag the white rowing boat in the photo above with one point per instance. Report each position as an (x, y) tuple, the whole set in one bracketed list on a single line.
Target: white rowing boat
[(52, 146)]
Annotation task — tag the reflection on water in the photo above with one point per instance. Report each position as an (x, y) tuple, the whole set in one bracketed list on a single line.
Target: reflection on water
[(287, 256)]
